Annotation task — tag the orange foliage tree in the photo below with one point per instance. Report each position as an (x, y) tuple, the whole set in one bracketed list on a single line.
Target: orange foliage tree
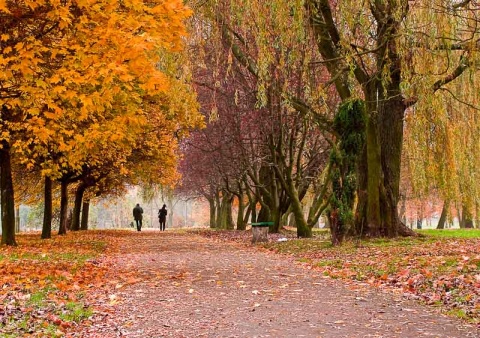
[(74, 78)]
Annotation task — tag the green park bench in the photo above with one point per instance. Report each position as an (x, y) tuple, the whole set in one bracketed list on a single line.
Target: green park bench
[(261, 224), (260, 231)]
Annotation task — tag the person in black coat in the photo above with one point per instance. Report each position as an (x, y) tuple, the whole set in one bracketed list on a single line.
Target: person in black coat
[(138, 216), (162, 217)]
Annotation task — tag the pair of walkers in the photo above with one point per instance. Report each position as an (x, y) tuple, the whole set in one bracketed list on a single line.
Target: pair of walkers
[(138, 217)]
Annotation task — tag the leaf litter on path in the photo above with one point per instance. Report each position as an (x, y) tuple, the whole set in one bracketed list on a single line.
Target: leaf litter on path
[(192, 286)]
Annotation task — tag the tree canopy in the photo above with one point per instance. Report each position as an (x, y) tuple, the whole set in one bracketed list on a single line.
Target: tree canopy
[(92, 84), (412, 63)]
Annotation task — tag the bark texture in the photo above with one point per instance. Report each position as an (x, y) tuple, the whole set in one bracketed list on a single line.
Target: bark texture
[(85, 211), (7, 196), (62, 229), (77, 207), (47, 211), (443, 216)]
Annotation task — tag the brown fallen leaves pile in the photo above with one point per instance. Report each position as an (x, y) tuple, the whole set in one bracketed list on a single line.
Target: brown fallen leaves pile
[(442, 272), (47, 286)]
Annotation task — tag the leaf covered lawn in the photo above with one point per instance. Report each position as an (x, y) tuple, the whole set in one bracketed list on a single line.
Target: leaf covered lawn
[(441, 269), (47, 285)]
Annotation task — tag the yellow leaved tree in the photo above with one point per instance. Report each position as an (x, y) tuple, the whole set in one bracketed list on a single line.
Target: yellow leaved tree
[(74, 79)]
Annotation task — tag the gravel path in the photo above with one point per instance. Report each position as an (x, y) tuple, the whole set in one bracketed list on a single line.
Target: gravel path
[(195, 287)]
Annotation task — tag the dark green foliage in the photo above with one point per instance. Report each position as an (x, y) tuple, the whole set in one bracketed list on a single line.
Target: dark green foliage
[(349, 123)]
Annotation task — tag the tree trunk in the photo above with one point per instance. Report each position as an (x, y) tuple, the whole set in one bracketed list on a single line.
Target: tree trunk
[(467, 218), (47, 209), (69, 219), (264, 215), (374, 225), (85, 211), (403, 209), (275, 216), (7, 196), (211, 202), (291, 220), (419, 223), (461, 223), (241, 225), (443, 216), (378, 188), (303, 230), (62, 230), (224, 216), (218, 216), (383, 159), (253, 207), (247, 215), (77, 207), (228, 211), (17, 219), (171, 207)]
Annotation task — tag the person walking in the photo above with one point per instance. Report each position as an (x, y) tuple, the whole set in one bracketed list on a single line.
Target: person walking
[(162, 217), (138, 216)]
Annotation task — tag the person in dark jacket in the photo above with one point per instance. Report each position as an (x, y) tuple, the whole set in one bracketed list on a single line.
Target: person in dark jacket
[(162, 217), (138, 216)]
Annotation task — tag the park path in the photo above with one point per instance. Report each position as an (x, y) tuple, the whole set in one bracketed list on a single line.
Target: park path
[(196, 287)]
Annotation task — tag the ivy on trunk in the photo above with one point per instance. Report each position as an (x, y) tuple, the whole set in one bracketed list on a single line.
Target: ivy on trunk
[(350, 124)]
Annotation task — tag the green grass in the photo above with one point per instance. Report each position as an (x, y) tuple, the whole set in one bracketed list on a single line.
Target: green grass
[(75, 312), (42, 257), (451, 233), (460, 313), (304, 260), (38, 298), (51, 330), (299, 245), (336, 263), (8, 335)]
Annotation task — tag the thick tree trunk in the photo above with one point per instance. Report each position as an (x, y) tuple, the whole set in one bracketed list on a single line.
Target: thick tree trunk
[(378, 188), (7, 196), (383, 160), (443, 216), (62, 230), (85, 211), (374, 224), (362, 196), (77, 207), (47, 211), (224, 216)]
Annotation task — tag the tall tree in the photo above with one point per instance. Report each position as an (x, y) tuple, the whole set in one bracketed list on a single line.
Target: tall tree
[(382, 52), (66, 64)]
